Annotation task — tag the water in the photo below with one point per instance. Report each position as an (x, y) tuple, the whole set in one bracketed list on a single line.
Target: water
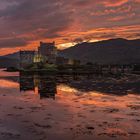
[(41, 107)]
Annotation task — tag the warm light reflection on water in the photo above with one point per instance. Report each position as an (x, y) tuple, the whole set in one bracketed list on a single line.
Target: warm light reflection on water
[(5, 74), (37, 107), (67, 89), (97, 98), (8, 84)]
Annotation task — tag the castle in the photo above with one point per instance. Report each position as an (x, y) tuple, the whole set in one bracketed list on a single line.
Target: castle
[(46, 54)]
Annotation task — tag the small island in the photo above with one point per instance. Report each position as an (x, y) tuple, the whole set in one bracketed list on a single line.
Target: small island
[(46, 60)]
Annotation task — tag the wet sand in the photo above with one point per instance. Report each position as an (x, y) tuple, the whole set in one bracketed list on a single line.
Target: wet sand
[(74, 114)]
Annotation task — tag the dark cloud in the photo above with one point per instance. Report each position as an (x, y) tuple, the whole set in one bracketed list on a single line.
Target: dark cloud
[(78, 40), (63, 20), (12, 42)]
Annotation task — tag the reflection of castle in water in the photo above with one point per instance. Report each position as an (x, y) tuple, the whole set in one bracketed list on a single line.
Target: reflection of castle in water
[(45, 87)]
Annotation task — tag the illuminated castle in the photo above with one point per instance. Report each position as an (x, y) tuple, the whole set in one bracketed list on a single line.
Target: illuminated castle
[(46, 54), (48, 51)]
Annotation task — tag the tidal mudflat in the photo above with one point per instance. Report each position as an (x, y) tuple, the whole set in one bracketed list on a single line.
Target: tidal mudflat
[(61, 108)]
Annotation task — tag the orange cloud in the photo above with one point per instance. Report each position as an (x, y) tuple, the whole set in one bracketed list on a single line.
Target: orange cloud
[(114, 3), (65, 22)]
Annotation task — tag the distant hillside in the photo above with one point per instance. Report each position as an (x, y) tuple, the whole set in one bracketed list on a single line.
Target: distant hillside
[(7, 62), (10, 60), (13, 56), (113, 51)]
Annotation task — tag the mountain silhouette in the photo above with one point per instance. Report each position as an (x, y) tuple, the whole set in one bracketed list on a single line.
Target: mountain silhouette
[(112, 51)]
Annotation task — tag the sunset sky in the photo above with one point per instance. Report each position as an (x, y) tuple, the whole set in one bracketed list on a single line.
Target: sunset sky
[(23, 23)]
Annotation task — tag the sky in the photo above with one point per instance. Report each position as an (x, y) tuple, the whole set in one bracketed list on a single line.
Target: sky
[(24, 23)]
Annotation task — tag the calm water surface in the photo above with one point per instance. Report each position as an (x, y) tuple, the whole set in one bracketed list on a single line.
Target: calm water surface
[(63, 107)]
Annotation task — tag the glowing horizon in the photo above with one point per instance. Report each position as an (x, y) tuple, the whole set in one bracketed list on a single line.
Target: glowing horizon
[(25, 23)]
